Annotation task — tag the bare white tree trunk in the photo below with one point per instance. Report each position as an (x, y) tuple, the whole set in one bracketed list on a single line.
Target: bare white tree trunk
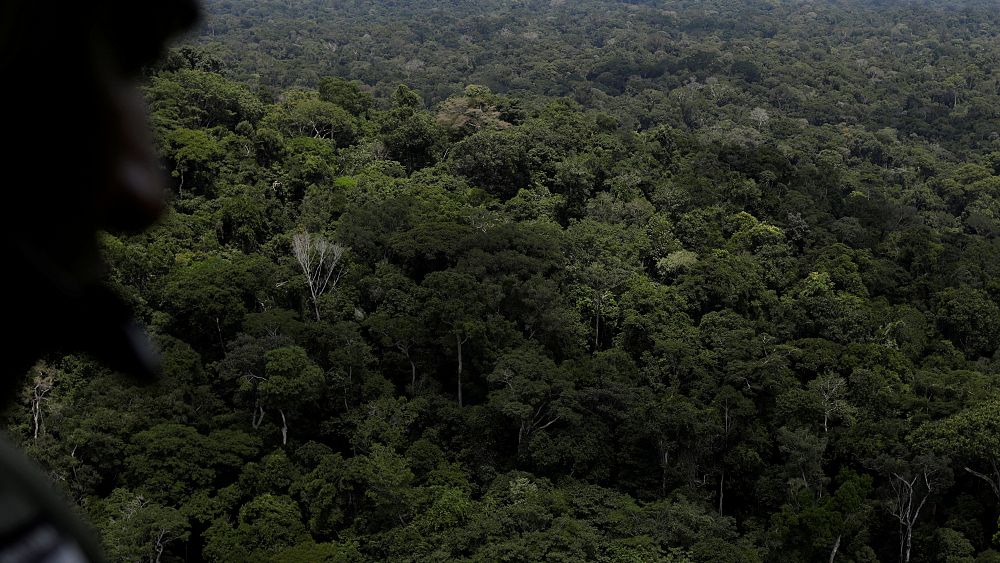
[(257, 417), (906, 507), (836, 547), (320, 260), (43, 383), (992, 480), (284, 428), (160, 545), (722, 491)]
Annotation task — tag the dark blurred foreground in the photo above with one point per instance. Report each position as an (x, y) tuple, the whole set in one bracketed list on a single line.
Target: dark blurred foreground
[(77, 159)]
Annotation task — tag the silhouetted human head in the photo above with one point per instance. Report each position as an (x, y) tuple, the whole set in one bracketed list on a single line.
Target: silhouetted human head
[(82, 161)]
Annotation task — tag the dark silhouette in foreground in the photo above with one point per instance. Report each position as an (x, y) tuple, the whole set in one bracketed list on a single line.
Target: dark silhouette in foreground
[(79, 159)]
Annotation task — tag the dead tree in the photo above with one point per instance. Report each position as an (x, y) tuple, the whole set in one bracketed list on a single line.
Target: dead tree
[(43, 382), (910, 494), (321, 262)]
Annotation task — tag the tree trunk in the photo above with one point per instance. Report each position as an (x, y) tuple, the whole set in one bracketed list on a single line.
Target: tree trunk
[(664, 454), (350, 380), (458, 343), (159, 546), (222, 343), (43, 383), (993, 482), (722, 481), (597, 323), (36, 410), (284, 428), (255, 419), (413, 376), (836, 546)]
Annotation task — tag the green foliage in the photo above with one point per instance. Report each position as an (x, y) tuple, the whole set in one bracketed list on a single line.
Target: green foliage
[(308, 552), (302, 113), (347, 94), (200, 99), (268, 524), (970, 318), (195, 155), (135, 528), (713, 281), (496, 161)]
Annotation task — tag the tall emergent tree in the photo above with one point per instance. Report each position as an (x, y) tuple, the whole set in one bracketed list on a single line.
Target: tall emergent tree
[(322, 264)]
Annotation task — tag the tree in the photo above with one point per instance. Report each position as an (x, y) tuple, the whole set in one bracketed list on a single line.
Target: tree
[(458, 305), (171, 461), (386, 478), (43, 381), (833, 526), (410, 135), (910, 486), (267, 524), (321, 262), (301, 113), (397, 322), (347, 94), (972, 435), (195, 155), (208, 297), (803, 469), (759, 117), (468, 113), (323, 493), (200, 99), (135, 528), (494, 160), (602, 259), (970, 318), (532, 390), (290, 383), (832, 391)]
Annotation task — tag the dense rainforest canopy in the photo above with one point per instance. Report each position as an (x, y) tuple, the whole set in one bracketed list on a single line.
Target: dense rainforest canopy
[(557, 281)]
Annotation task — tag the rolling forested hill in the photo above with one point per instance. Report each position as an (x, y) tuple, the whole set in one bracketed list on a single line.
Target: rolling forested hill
[(557, 281)]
